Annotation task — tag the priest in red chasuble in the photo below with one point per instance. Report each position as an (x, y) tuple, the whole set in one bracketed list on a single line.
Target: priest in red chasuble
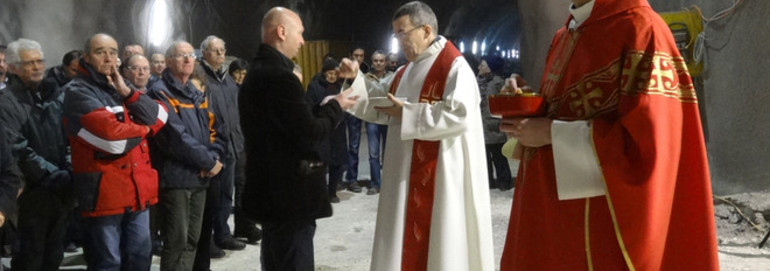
[(615, 175)]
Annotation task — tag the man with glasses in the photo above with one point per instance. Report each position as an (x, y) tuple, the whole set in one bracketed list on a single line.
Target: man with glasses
[(108, 124), (223, 94), (137, 72), (434, 210), (189, 152), (31, 113)]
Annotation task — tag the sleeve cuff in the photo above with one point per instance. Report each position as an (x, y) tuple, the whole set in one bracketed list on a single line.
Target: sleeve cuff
[(577, 168)]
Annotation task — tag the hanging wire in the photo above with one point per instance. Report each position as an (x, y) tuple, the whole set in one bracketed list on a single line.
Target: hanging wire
[(699, 51)]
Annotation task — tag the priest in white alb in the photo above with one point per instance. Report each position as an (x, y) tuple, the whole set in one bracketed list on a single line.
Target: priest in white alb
[(434, 209)]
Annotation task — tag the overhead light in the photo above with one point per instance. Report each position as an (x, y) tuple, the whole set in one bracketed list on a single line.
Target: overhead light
[(159, 23), (394, 45), (474, 47), (462, 47)]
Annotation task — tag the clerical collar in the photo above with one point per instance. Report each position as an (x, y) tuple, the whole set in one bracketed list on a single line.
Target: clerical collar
[(434, 48), (580, 15)]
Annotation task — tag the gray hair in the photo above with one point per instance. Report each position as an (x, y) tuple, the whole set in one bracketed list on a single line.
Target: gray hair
[(419, 13), (209, 39), (12, 56), (171, 51), (379, 52)]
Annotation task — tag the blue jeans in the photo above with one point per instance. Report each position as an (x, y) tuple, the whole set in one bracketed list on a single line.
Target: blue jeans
[(118, 242), (354, 138), (376, 135)]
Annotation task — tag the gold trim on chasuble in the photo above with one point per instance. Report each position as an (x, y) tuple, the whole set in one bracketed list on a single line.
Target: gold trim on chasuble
[(657, 74)]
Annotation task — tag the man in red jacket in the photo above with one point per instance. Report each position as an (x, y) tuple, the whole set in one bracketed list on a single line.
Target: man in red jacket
[(108, 124)]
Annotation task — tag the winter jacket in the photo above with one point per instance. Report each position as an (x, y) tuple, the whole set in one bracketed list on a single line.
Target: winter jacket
[(33, 121), (110, 154), (224, 101), (285, 176), (10, 180), (490, 84), (334, 149), (191, 141)]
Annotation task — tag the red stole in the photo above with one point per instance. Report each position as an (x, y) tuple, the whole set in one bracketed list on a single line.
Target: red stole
[(422, 176)]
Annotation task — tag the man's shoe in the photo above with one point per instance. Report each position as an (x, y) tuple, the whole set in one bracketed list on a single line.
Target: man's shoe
[(215, 252), (373, 191), (252, 236), (341, 186), (230, 243), (334, 199), (353, 187)]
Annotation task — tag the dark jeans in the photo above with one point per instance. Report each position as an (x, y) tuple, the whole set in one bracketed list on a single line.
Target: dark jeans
[(223, 201), (118, 242), (42, 223), (242, 222), (335, 176), (288, 245), (182, 211), (376, 135), (495, 157), (354, 138), (202, 254)]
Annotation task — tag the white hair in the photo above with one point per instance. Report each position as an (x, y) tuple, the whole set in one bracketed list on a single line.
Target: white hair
[(209, 39), (12, 56)]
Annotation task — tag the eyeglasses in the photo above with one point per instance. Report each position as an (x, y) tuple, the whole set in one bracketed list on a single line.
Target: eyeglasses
[(402, 35), (135, 68), (220, 50), (181, 56), (30, 63)]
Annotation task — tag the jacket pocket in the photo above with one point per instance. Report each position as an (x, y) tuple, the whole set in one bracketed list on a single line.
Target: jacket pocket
[(86, 187)]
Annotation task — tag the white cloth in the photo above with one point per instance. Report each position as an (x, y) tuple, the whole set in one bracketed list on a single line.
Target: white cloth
[(580, 15), (461, 225), (577, 167)]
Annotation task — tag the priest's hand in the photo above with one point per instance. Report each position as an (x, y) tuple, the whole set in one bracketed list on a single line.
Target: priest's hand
[(348, 68), (394, 111), (530, 132), (345, 101)]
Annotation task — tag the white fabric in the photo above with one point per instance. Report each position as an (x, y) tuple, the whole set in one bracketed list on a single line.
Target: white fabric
[(461, 228), (162, 114), (580, 15), (113, 147), (577, 169)]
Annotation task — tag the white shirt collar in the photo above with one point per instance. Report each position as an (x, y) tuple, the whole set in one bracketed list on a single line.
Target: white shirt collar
[(581, 14), (433, 49)]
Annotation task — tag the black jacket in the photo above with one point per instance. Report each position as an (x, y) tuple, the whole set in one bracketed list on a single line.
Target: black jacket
[(285, 178), (333, 150), (33, 121), (224, 102), (10, 181), (191, 141)]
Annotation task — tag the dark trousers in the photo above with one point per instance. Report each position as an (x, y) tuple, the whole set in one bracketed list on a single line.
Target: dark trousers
[(182, 211), (242, 222), (288, 245), (354, 139), (222, 202), (335, 177), (42, 226), (202, 254), (495, 157), (118, 242)]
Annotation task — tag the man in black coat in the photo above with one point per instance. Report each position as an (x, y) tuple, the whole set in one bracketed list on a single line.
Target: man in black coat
[(285, 189)]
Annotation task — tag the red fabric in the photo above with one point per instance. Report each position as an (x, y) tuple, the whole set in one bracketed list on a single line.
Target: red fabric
[(621, 70), (422, 176)]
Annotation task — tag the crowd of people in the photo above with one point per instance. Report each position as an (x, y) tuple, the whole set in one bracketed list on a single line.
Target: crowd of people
[(130, 155)]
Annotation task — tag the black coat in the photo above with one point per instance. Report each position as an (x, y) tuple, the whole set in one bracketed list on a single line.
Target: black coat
[(224, 102), (284, 172), (334, 150)]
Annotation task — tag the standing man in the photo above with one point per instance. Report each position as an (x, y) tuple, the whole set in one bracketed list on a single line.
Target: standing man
[(354, 132), (108, 124), (392, 62), (131, 49), (223, 94), (189, 152), (157, 65), (376, 134), (434, 208), (31, 110), (615, 175), (137, 72), (68, 69), (285, 189)]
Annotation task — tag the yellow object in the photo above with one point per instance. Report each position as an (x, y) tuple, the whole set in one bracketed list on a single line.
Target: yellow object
[(686, 25), (508, 147)]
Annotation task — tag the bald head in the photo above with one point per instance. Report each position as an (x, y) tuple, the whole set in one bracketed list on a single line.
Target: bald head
[(282, 29)]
